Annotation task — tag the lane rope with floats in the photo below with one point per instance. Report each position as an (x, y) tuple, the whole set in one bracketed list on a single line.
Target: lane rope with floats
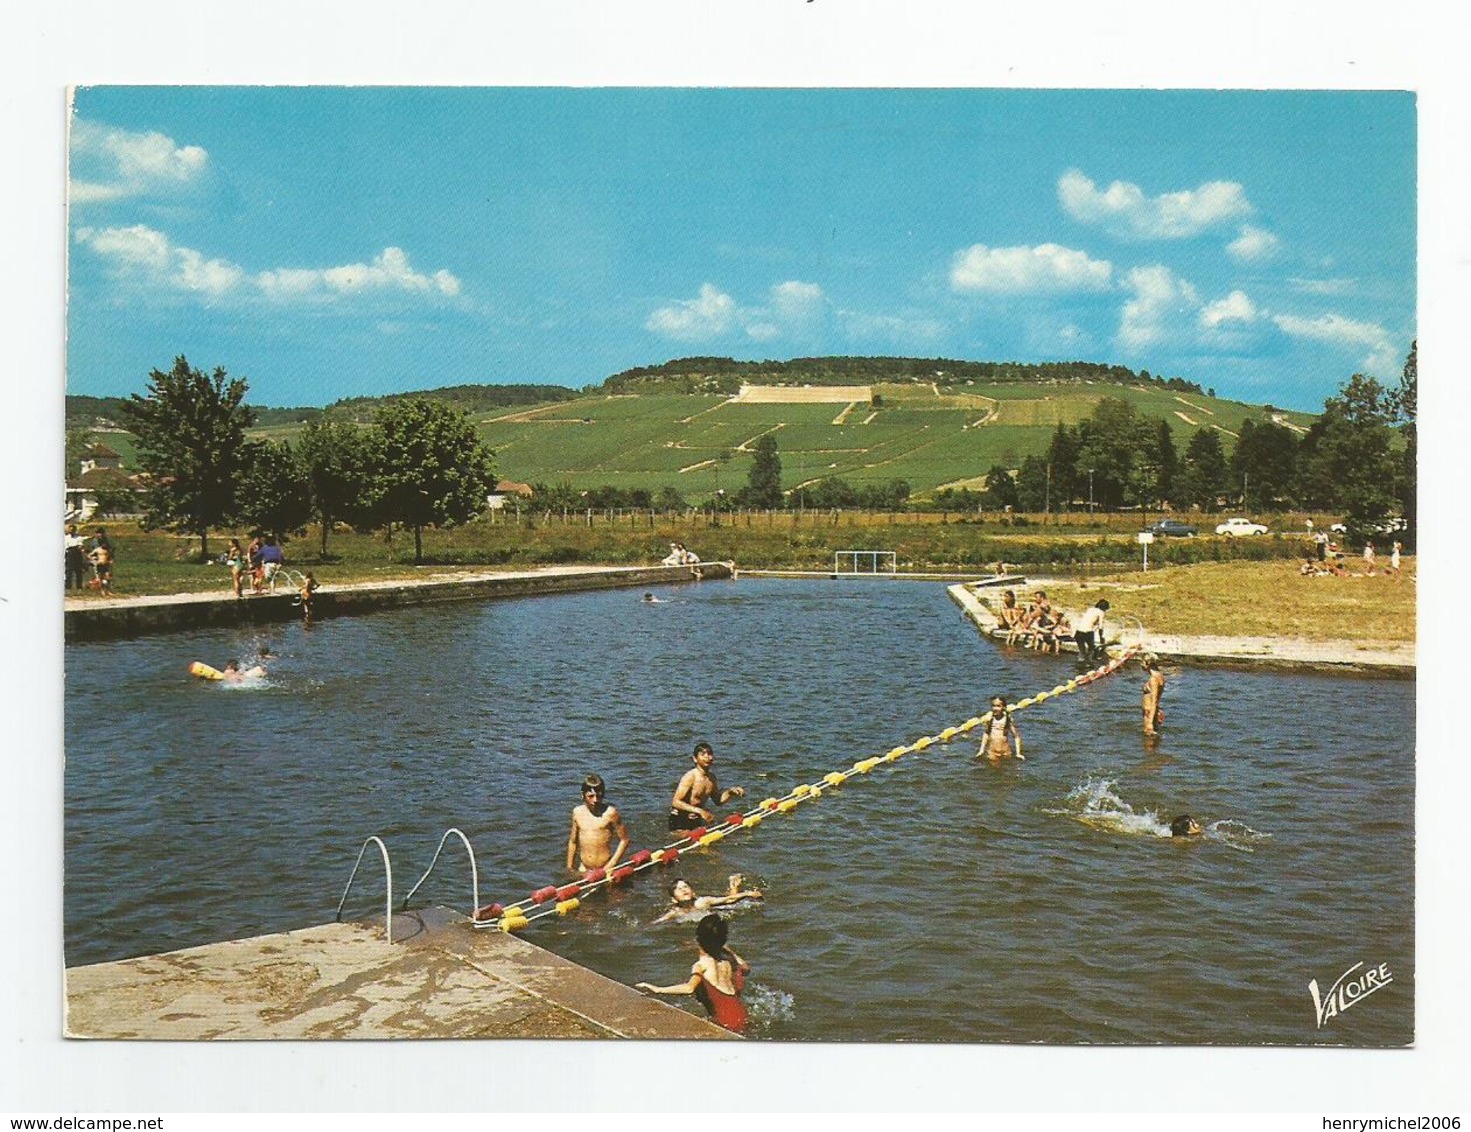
[(560, 900)]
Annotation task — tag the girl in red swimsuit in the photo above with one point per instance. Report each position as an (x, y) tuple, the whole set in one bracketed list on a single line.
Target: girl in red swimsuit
[(717, 977)]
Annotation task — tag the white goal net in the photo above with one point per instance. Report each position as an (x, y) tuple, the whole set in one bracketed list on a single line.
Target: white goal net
[(864, 562)]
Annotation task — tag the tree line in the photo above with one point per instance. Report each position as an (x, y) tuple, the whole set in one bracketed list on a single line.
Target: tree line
[(1357, 458), (417, 463), (726, 375)]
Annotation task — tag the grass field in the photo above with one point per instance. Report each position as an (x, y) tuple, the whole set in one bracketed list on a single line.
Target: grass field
[(1254, 599), (930, 440), (159, 563)]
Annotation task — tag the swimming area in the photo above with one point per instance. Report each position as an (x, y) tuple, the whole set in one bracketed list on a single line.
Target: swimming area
[(937, 899)]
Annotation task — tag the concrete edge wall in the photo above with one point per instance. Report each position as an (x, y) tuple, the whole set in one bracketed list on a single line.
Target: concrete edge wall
[(143, 616)]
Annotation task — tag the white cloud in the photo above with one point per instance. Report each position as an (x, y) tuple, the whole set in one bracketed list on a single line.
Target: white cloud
[(793, 309), (1027, 270), (1124, 210), (109, 164), (1235, 308), (389, 271), (1380, 355), (1162, 304), (688, 320), (147, 256), (795, 302), (1253, 245)]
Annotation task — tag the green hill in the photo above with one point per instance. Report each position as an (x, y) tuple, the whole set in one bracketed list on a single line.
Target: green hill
[(931, 422)]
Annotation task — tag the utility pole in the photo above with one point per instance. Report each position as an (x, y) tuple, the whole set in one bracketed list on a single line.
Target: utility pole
[(1090, 493), (1047, 496)]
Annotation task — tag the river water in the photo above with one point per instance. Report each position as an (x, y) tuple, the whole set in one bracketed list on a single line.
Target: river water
[(937, 899)]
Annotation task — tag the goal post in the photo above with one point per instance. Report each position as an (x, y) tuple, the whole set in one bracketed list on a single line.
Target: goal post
[(864, 562)]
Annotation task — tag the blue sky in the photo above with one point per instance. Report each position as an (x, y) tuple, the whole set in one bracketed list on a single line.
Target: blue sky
[(334, 242)]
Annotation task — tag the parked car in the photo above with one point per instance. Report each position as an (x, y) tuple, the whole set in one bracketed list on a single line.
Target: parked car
[(1238, 526), (1167, 527)]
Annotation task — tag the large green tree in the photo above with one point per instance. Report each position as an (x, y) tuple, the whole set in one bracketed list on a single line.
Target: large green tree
[(1062, 454), (1116, 444), (1203, 477), (1264, 463), (763, 485), (1000, 490), (190, 431), (275, 496), (1346, 461), (432, 468), (339, 459), (1033, 484), (1166, 459)]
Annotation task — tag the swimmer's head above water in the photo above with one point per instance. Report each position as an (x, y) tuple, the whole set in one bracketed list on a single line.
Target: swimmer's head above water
[(1186, 826), (680, 892), (711, 934)]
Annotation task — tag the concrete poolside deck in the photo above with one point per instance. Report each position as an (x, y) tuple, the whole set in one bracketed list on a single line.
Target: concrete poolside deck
[(98, 618), (440, 979), (1368, 658)]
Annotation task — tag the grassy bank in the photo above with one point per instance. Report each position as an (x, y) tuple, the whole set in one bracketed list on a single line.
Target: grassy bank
[(156, 563), (1252, 599)]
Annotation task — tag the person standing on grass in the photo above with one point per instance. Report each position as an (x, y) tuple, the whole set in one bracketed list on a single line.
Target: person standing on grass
[(102, 565), (1369, 559), (76, 559), (1394, 560)]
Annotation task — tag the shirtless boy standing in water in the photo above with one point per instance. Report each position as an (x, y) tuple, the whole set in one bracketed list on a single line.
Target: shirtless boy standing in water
[(687, 809), (594, 826)]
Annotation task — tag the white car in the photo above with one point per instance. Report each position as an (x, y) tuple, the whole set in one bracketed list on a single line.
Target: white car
[(1235, 527)]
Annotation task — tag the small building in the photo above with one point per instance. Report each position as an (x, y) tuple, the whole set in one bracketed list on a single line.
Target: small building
[(86, 493), (100, 456), (504, 490)]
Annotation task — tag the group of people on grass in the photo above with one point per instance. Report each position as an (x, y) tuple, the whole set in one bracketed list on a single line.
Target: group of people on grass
[(598, 840), (81, 553), (1330, 561)]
